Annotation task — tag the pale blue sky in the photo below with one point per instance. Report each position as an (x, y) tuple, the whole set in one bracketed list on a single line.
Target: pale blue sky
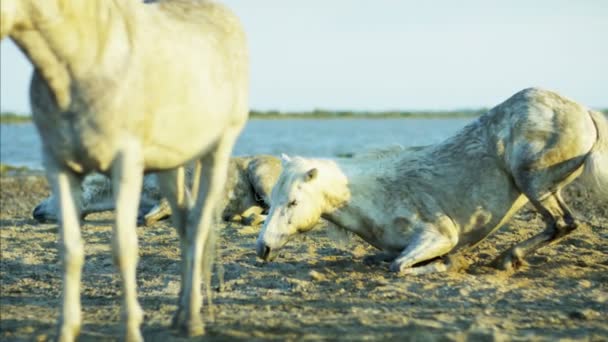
[(377, 55)]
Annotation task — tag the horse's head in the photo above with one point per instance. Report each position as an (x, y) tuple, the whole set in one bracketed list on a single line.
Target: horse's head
[(299, 198)]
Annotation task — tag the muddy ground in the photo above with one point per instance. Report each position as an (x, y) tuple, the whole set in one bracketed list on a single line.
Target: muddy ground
[(314, 290)]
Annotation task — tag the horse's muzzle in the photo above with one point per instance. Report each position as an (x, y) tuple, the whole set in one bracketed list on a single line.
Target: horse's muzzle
[(40, 215), (263, 250)]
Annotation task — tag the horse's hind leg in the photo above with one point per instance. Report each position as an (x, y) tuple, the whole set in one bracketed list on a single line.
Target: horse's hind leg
[(127, 177), (559, 223), (66, 185), (253, 216), (199, 236), (172, 186)]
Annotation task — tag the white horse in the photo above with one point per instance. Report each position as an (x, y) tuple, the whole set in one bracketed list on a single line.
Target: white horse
[(419, 205), (245, 198), (122, 87)]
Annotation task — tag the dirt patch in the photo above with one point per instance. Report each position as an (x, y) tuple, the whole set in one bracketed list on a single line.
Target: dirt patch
[(314, 290)]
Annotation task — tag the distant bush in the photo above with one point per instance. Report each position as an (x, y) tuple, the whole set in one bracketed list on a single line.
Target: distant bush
[(14, 118), (6, 169)]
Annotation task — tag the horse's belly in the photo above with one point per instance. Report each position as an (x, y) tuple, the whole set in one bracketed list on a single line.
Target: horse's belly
[(485, 220), (75, 145), (175, 147)]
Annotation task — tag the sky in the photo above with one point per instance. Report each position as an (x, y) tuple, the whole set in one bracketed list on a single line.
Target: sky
[(402, 54)]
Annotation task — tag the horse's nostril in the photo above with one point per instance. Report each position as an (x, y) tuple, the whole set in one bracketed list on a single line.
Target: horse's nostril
[(266, 252), (38, 215)]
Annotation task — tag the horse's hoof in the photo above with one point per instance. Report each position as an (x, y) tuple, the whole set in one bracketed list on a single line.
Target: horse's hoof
[(192, 328), (187, 327), (511, 260)]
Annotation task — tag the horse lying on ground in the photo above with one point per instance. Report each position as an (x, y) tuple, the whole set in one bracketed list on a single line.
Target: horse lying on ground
[(245, 198), (417, 206), (122, 87)]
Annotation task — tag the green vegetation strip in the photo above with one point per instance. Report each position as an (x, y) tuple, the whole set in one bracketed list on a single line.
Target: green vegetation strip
[(14, 118), (6, 169)]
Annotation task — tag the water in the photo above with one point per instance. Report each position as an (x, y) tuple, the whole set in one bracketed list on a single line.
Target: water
[(20, 145)]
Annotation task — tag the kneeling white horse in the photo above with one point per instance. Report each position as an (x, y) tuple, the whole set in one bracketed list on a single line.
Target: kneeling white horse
[(122, 87), (419, 205)]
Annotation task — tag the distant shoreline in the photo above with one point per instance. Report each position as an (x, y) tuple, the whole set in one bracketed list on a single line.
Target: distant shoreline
[(15, 118), (326, 114)]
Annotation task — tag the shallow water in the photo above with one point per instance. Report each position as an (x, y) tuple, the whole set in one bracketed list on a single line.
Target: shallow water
[(20, 145)]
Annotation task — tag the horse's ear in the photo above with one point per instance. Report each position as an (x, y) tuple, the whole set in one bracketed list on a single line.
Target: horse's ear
[(311, 174), (285, 158)]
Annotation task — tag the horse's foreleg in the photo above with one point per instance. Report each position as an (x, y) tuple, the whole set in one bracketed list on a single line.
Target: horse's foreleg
[(127, 176), (67, 186), (200, 252), (430, 242), (559, 223), (253, 216), (448, 263), (155, 214)]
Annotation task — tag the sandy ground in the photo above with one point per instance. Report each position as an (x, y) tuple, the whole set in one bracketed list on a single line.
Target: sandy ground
[(314, 290)]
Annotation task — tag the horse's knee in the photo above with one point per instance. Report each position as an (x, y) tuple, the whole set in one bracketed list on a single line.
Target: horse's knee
[(124, 260), (73, 256), (124, 253)]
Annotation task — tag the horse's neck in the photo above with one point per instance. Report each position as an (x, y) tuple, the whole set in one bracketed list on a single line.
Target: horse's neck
[(67, 42), (358, 198)]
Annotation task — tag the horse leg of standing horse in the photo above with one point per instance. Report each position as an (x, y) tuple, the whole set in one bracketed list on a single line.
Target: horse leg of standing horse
[(430, 242), (559, 223), (67, 186), (172, 186), (127, 177), (200, 219)]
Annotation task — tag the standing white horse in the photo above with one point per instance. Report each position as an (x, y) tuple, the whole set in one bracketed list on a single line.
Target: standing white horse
[(122, 87), (419, 205)]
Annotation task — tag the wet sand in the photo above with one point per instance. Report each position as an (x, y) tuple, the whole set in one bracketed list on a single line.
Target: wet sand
[(314, 289)]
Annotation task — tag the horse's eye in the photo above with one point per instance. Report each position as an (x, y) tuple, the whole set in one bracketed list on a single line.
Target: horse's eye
[(292, 204)]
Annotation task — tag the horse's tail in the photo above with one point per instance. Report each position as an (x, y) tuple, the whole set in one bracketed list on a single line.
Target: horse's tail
[(596, 164)]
